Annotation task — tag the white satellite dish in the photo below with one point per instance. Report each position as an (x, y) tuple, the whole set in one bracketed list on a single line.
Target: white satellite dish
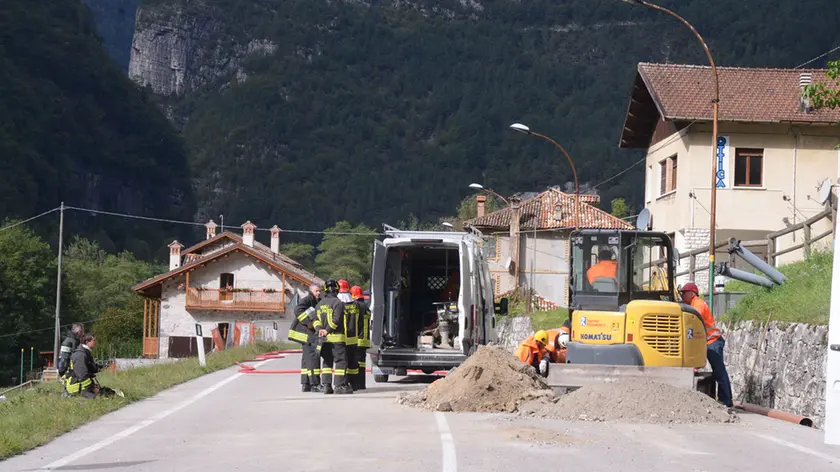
[(825, 191), (643, 220)]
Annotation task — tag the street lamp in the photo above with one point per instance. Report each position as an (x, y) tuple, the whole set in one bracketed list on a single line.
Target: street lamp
[(483, 189), (715, 162), (519, 127), (448, 226)]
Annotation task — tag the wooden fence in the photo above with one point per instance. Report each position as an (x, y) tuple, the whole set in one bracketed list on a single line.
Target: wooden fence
[(770, 244)]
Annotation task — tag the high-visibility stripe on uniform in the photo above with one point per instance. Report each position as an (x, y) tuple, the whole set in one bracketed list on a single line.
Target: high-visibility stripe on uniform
[(316, 371), (352, 371), (340, 371), (335, 338), (298, 336), (351, 341), (326, 370), (362, 364), (712, 334), (302, 317), (363, 342), (305, 371), (76, 387), (317, 324)]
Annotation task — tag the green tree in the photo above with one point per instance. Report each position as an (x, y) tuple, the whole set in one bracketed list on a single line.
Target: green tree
[(27, 294), (101, 285), (345, 254), (618, 208), (826, 95), (301, 252)]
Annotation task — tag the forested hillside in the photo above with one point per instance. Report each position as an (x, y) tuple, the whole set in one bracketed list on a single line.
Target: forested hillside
[(73, 128), (115, 24), (306, 112)]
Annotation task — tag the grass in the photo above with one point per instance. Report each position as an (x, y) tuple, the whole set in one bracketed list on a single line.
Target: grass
[(31, 418), (548, 319), (804, 298)]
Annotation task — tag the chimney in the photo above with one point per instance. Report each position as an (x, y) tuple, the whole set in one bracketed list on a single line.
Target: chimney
[(275, 239), (211, 229), (175, 254), (805, 79), (248, 233), (479, 205)]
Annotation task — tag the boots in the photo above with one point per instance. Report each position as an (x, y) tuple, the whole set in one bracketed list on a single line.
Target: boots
[(305, 388), (317, 388), (345, 389), (328, 390)]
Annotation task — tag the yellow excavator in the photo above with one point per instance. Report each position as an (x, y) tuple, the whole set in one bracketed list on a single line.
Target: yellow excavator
[(625, 309)]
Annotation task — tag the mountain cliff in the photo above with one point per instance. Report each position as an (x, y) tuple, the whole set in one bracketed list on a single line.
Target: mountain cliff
[(73, 128), (305, 112)]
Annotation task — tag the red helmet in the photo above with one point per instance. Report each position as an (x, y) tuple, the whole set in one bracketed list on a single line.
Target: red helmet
[(356, 293), (343, 286), (690, 287)]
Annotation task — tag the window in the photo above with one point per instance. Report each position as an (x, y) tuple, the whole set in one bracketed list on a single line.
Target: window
[(668, 175), (492, 247), (749, 167)]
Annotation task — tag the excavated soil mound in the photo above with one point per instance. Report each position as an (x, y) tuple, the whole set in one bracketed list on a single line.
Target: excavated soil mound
[(490, 380), (632, 401)]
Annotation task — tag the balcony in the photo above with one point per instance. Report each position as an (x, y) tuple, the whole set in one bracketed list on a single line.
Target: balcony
[(238, 299)]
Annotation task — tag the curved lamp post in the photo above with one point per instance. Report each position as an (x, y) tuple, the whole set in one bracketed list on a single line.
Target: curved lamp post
[(715, 104), (484, 189), (526, 130)]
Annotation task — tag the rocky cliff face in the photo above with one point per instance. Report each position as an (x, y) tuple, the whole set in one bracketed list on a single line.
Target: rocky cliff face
[(175, 52), (789, 373)]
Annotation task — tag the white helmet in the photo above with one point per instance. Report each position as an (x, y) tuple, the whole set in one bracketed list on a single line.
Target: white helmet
[(563, 339)]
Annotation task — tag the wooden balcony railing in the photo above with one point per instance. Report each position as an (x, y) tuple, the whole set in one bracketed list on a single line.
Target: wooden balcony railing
[(253, 300)]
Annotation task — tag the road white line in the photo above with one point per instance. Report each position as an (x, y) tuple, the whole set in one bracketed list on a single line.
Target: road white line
[(797, 447), (129, 431), (450, 463)]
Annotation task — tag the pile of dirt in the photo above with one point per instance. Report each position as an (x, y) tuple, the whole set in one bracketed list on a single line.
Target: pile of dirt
[(632, 401), (490, 380)]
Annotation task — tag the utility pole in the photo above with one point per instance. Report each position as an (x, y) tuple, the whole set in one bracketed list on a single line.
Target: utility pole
[(58, 288)]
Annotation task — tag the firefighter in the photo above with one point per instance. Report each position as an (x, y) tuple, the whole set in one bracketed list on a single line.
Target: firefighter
[(302, 332), (330, 326), (363, 332), (351, 316), (82, 372), (68, 347), (344, 291)]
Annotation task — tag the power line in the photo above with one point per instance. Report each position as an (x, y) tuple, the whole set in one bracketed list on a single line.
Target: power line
[(193, 223), (621, 173), (13, 225), (51, 328), (818, 57)]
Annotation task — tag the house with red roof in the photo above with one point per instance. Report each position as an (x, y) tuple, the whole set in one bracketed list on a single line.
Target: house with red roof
[(226, 281), (772, 153), (527, 243)]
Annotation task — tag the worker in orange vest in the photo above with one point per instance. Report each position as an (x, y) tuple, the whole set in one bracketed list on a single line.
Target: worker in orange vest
[(714, 341), (605, 268), (557, 340), (533, 351)]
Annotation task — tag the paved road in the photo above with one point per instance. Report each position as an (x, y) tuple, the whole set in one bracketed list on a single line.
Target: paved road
[(228, 421)]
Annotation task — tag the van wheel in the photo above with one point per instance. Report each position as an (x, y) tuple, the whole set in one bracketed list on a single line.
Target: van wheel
[(380, 378)]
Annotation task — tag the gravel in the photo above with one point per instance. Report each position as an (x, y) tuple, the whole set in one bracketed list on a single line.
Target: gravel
[(632, 401)]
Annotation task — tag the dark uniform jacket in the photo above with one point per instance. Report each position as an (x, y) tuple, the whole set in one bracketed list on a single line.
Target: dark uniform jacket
[(68, 347), (330, 312), (301, 330), (363, 323), (351, 317), (84, 366)]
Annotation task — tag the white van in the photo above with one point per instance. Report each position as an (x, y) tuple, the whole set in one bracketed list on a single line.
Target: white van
[(431, 301)]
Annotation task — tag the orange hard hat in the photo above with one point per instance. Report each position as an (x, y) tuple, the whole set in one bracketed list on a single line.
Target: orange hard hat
[(356, 292), (343, 286)]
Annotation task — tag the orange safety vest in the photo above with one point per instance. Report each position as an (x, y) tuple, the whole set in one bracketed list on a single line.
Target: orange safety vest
[(712, 331), (528, 349), (606, 269), (556, 352)]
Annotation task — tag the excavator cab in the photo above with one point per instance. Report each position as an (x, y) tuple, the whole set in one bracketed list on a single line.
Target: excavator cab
[(623, 304)]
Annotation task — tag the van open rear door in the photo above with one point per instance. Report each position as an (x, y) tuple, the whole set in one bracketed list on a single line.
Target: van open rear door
[(377, 292), (466, 301)]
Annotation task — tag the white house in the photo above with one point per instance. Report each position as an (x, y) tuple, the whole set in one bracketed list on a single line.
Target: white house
[(772, 153), (225, 279)]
